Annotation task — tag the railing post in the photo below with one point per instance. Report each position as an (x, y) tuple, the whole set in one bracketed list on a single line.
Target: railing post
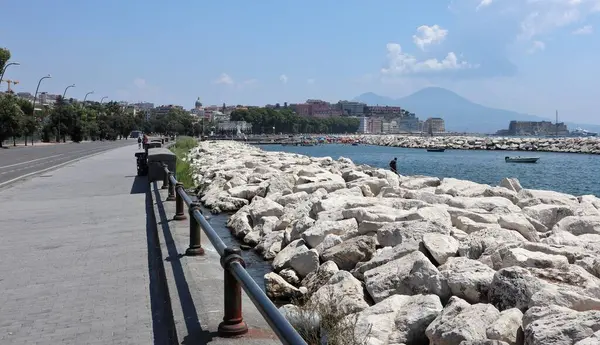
[(179, 213), (165, 184), (233, 323), (171, 196), (195, 248)]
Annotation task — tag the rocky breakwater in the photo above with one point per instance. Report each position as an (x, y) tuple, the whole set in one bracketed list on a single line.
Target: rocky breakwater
[(413, 259), (590, 145)]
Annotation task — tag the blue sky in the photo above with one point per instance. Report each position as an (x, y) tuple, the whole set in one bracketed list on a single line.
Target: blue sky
[(531, 56)]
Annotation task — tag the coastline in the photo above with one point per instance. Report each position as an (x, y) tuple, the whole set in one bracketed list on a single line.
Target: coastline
[(502, 255), (581, 145)]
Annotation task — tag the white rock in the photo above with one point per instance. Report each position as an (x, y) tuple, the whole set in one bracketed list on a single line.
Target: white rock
[(304, 262), (559, 326), (342, 293), (548, 215), (440, 246), (408, 275), (461, 321), (315, 234), (314, 280), (457, 187), (395, 233), (347, 254), (278, 289), (511, 184), (468, 279), (282, 259), (397, 319), (580, 225), (519, 223), (262, 207), (507, 327)]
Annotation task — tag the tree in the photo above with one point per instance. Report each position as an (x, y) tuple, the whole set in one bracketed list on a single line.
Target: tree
[(4, 57), (10, 117)]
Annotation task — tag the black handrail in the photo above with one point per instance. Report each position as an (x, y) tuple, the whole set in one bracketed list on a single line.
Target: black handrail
[(235, 273)]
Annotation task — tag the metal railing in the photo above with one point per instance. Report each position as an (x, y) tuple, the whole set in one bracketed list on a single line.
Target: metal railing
[(235, 274)]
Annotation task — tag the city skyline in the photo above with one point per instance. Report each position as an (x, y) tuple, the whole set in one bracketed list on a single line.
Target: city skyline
[(532, 57)]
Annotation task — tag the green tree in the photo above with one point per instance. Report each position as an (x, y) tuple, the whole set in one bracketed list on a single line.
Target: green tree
[(4, 57), (10, 117)]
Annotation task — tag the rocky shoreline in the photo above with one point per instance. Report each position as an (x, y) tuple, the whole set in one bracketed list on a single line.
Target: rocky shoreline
[(413, 259), (589, 145)]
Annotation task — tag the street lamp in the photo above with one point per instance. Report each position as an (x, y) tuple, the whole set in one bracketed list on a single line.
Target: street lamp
[(63, 99), (5, 67), (34, 97), (102, 99), (87, 94)]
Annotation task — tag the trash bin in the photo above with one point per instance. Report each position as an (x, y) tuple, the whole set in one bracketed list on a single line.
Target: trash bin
[(156, 158)]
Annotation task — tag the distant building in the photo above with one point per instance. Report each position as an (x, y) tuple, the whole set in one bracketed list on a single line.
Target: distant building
[(371, 125), (234, 126), (434, 125), (316, 108), (378, 110), (349, 108), (165, 109), (536, 128)]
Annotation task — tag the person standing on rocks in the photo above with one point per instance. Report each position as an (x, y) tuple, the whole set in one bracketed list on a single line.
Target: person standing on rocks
[(393, 165)]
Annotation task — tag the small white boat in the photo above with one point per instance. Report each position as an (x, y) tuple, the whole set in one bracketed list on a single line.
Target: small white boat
[(520, 159)]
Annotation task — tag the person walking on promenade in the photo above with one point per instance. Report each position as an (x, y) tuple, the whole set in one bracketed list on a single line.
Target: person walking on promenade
[(139, 142), (393, 165), (145, 140)]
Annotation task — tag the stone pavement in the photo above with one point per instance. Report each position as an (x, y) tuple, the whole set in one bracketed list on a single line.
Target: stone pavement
[(74, 258), (196, 283)]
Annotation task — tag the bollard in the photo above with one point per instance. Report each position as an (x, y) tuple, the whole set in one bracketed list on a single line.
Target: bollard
[(171, 196), (233, 323), (179, 213), (165, 184), (195, 248)]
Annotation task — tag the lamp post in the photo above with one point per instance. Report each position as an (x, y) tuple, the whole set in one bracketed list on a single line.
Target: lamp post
[(5, 67), (34, 97), (102, 99), (87, 94), (63, 99)]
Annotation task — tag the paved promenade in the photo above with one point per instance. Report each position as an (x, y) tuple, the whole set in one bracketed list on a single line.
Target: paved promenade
[(74, 258)]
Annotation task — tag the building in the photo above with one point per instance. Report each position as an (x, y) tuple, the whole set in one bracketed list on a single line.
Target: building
[(349, 108), (536, 128), (371, 125), (316, 108), (236, 127), (378, 110), (165, 109), (434, 125)]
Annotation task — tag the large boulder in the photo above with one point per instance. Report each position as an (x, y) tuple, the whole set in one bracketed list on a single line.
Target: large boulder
[(347, 254), (342, 295), (560, 326), (409, 275), (398, 319), (460, 321)]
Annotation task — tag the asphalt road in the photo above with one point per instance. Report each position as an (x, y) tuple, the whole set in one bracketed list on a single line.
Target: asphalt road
[(17, 163)]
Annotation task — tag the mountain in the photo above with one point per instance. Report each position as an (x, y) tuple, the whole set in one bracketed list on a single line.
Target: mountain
[(460, 114)]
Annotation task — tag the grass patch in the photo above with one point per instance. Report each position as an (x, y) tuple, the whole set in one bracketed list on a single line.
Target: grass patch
[(181, 148)]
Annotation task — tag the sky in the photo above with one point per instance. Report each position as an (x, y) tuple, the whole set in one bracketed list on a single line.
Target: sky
[(531, 56)]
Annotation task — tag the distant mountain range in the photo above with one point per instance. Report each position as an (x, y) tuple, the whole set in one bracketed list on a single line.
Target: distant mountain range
[(460, 114)]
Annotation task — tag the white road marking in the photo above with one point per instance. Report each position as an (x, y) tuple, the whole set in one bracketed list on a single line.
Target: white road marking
[(2, 184), (33, 160)]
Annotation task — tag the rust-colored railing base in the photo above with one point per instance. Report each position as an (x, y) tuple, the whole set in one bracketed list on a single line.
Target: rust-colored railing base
[(232, 328), (197, 251), (179, 217)]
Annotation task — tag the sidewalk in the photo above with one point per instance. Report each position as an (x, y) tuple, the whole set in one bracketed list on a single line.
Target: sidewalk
[(74, 258)]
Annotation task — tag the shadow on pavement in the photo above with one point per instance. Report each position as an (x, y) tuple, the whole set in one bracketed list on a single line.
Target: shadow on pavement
[(163, 325), (140, 185), (196, 335)]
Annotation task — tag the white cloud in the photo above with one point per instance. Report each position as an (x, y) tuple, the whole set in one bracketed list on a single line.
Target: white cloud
[(585, 30), (310, 81), (225, 79), (483, 3), (140, 83), (428, 35), (283, 78), (537, 46), (399, 62)]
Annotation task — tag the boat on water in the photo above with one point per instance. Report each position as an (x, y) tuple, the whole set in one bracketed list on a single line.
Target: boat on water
[(354, 144), (436, 149), (520, 159)]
